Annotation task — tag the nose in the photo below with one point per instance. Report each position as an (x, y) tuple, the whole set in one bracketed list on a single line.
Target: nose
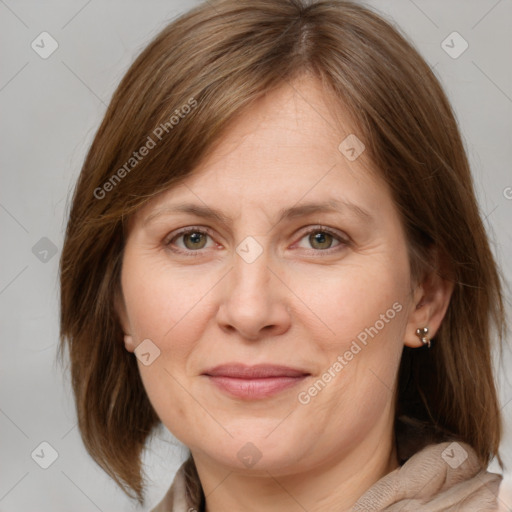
[(254, 301)]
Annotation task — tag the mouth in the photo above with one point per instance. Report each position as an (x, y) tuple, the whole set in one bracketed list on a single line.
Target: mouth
[(254, 382)]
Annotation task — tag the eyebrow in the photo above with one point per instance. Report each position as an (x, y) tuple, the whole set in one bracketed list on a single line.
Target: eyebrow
[(203, 211)]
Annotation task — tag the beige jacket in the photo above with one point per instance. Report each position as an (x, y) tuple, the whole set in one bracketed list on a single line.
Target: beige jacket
[(443, 477)]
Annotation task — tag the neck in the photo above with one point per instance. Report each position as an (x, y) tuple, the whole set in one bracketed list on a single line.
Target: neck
[(334, 485)]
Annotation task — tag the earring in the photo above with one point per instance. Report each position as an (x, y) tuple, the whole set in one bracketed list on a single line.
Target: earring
[(422, 335)]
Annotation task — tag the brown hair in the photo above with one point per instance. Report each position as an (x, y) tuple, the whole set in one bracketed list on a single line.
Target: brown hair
[(218, 58)]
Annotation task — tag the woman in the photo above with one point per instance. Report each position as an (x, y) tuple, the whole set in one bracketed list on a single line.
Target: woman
[(275, 251)]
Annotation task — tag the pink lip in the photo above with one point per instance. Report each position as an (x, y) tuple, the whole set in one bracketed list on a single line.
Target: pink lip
[(254, 382)]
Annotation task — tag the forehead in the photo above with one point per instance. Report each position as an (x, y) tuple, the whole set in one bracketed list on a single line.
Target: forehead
[(297, 120), (282, 149)]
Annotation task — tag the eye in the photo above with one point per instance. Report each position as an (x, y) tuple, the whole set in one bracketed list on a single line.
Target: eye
[(192, 239), (189, 240), (322, 239)]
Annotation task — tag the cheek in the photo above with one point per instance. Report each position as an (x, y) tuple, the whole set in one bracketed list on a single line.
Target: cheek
[(364, 310), (361, 300), (171, 309), (163, 304)]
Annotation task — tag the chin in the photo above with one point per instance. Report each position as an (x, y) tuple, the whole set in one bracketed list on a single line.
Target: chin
[(255, 451)]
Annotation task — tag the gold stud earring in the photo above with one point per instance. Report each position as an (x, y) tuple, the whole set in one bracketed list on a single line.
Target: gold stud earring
[(422, 335)]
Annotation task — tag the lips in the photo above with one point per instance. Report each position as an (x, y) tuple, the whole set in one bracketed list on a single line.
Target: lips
[(254, 382), (260, 371)]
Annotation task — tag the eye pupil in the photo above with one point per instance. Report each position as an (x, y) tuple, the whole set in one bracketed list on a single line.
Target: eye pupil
[(195, 239), (320, 240)]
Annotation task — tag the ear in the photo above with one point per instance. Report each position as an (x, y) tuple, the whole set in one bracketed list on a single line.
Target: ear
[(122, 315), (431, 298)]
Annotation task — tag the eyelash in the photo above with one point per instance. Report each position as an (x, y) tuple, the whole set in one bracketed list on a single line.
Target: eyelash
[(343, 242)]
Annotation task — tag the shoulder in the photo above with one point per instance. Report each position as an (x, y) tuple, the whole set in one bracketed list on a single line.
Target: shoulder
[(442, 476)]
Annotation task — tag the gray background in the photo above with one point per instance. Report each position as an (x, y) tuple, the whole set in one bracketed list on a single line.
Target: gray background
[(50, 110)]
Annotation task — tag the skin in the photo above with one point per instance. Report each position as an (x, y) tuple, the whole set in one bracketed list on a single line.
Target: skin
[(298, 304)]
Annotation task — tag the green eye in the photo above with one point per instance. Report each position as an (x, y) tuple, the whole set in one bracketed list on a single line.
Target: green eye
[(320, 240), (194, 240), (190, 241)]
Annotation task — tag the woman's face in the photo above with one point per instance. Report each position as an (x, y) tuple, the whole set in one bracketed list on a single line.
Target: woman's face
[(293, 256)]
